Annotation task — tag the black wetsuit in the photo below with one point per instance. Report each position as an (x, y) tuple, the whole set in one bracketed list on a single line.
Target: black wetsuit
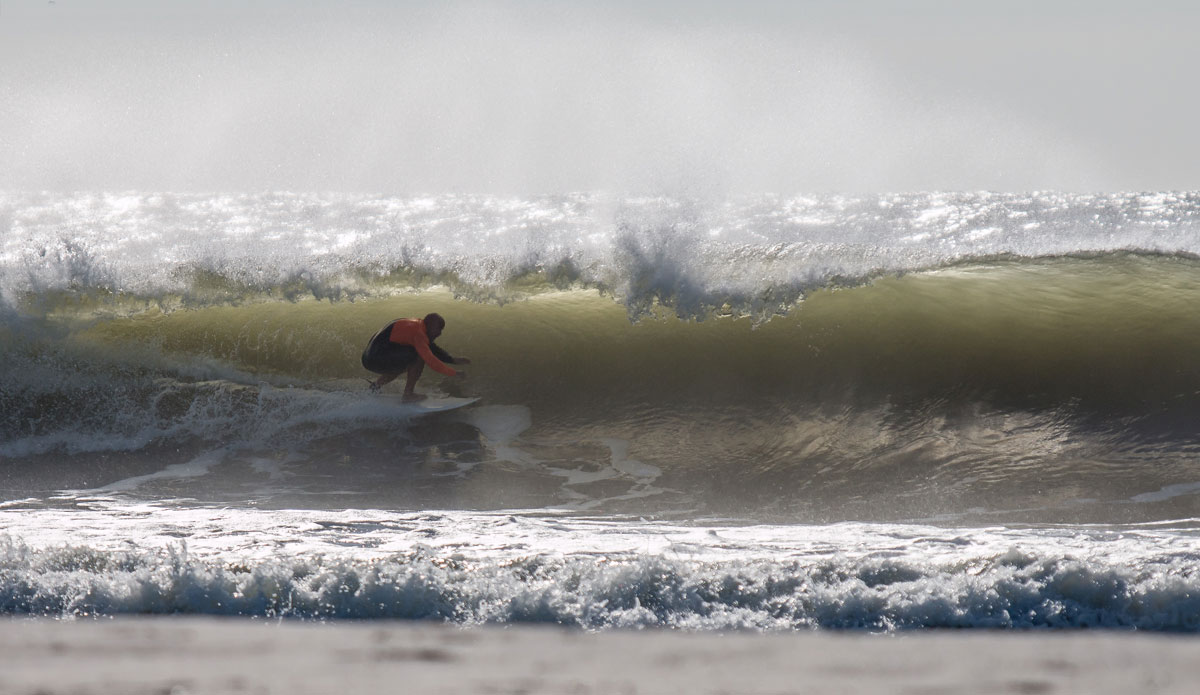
[(382, 356)]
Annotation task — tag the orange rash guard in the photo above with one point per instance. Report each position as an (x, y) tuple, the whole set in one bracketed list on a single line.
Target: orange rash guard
[(412, 332)]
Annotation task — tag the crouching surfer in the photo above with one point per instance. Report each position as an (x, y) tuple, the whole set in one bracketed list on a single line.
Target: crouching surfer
[(405, 346)]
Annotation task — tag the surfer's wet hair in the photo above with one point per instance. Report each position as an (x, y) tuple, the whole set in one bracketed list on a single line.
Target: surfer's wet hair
[(434, 320)]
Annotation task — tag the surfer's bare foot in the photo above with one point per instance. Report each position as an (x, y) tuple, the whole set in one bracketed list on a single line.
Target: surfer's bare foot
[(413, 397)]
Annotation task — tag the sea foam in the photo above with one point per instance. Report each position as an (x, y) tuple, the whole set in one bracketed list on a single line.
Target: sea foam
[(750, 255), (471, 569)]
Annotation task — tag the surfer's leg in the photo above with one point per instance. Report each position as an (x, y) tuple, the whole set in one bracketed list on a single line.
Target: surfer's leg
[(382, 381), (413, 373), (389, 360)]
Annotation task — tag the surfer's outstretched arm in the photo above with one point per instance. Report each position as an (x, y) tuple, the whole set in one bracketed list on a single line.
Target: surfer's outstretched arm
[(445, 356)]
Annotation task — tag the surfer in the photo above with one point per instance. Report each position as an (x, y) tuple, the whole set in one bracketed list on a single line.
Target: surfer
[(405, 346)]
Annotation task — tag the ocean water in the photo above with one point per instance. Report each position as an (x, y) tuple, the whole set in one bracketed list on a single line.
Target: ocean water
[(886, 412)]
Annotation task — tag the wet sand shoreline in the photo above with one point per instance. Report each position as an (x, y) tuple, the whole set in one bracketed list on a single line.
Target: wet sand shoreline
[(180, 655)]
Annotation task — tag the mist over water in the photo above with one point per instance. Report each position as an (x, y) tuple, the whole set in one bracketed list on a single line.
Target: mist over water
[(485, 98)]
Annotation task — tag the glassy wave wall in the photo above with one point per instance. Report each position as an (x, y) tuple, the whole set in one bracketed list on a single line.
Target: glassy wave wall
[(1018, 357)]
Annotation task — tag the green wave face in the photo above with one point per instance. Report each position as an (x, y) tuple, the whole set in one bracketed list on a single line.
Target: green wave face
[(1109, 330), (914, 394)]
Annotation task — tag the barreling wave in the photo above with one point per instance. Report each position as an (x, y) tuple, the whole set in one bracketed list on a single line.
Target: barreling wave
[(753, 256), (898, 357)]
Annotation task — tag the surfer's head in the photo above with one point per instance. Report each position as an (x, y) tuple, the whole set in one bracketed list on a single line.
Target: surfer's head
[(434, 323)]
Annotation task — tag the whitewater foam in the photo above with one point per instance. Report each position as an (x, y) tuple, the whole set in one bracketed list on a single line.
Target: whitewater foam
[(595, 573), (753, 255)]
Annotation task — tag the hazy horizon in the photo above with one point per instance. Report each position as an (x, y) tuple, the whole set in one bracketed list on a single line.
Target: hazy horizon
[(530, 97)]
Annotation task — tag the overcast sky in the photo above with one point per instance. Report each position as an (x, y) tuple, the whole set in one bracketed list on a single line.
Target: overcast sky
[(541, 97)]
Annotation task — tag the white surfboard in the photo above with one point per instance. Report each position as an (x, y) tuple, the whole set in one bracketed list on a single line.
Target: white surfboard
[(431, 404)]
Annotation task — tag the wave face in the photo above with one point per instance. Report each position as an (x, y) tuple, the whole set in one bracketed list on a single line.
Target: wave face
[(968, 356)]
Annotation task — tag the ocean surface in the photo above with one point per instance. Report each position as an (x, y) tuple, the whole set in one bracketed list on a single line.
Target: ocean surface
[(890, 412)]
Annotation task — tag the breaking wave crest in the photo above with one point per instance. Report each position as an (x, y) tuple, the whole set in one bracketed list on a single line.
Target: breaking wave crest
[(752, 256)]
